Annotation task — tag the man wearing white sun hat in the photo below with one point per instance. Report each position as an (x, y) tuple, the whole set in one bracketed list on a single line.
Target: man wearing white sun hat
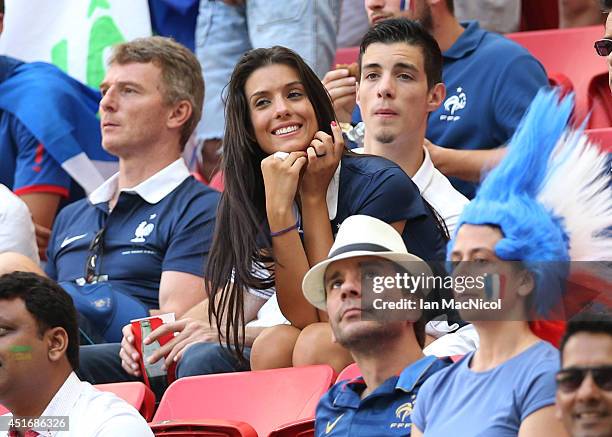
[(386, 344)]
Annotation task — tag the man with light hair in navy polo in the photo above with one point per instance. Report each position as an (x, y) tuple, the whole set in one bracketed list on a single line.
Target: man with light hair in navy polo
[(137, 246)]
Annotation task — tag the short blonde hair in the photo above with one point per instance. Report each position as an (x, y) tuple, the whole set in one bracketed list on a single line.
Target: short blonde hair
[(181, 72)]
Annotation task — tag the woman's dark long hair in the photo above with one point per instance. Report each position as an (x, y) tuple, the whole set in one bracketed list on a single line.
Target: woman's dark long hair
[(240, 237)]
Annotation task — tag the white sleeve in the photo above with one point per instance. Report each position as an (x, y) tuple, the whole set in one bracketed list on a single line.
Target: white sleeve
[(124, 425), (259, 271), (111, 416), (460, 342), (16, 227), (269, 315)]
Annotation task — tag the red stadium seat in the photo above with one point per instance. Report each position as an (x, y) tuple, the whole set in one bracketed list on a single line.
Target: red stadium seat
[(602, 137), (351, 371), (134, 393), (569, 52), (562, 81), (265, 399), (203, 428), (600, 102), (301, 428)]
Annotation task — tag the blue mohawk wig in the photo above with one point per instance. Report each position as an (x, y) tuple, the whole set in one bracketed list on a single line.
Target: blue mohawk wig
[(516, 195)]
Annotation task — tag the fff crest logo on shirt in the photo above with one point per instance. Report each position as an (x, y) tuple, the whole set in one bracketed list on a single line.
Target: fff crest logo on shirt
[(402, 413), (454, 103), (143, 230)]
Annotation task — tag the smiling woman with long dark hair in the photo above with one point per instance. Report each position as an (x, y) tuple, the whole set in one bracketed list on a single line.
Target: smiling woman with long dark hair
[(287, 173)]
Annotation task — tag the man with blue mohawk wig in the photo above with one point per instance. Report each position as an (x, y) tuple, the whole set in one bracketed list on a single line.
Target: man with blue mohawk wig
[(548, 202)]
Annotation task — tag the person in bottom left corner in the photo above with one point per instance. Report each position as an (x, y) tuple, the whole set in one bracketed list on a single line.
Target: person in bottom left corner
[(39, 351)]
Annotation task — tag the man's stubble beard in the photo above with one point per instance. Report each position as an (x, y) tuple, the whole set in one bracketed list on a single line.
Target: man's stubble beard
[(385, 137), (371, 341)]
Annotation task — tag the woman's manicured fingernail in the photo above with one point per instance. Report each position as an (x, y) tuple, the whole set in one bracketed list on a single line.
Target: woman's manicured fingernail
[(333, 123)]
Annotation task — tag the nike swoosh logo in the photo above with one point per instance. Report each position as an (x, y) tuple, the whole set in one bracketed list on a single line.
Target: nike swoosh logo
[(67, 241), (330, 426)]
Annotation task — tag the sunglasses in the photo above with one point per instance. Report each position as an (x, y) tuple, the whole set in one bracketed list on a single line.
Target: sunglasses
[(603, 47), (569, 380), (95, 253)]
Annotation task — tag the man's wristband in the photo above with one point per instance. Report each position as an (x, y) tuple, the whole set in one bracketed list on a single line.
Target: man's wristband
[(284, 231)]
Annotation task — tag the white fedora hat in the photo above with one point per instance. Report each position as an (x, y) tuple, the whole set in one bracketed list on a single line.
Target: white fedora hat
[(361, 235)]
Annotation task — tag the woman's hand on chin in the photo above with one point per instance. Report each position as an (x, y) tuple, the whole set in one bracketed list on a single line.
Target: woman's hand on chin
[(324, 154), (281, 177)]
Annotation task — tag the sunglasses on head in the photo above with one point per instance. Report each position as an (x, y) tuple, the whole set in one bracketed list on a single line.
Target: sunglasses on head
[(569, 380), (603, 47)]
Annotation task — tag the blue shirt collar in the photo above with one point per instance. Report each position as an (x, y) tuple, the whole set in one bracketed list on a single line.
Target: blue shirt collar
[(349, 395), (467, 42), (416, 373)]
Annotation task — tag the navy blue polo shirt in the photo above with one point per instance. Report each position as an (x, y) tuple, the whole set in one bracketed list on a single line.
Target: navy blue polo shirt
[(375, 186), (490, 81), (384, 412), (164, 224)]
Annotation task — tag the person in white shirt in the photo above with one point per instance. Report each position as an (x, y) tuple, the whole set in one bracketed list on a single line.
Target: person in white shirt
[(16, 227), (401, 83), (39, 350)]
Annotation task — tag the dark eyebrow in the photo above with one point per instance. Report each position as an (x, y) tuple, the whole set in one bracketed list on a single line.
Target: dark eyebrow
[(288, 85), (371, 65), (405, 66), (398, 66)]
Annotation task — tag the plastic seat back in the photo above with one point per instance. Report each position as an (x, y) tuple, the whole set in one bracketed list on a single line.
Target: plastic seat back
[(562, 81), (203, 428), (600, 102), (570, 52), (603, 137), (351, 371), (264, 399), (301, 428), (134, 393)]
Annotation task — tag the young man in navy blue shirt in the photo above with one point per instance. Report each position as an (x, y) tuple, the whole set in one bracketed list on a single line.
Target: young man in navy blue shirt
[(386, 344), (138, 244), (490, 82)]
